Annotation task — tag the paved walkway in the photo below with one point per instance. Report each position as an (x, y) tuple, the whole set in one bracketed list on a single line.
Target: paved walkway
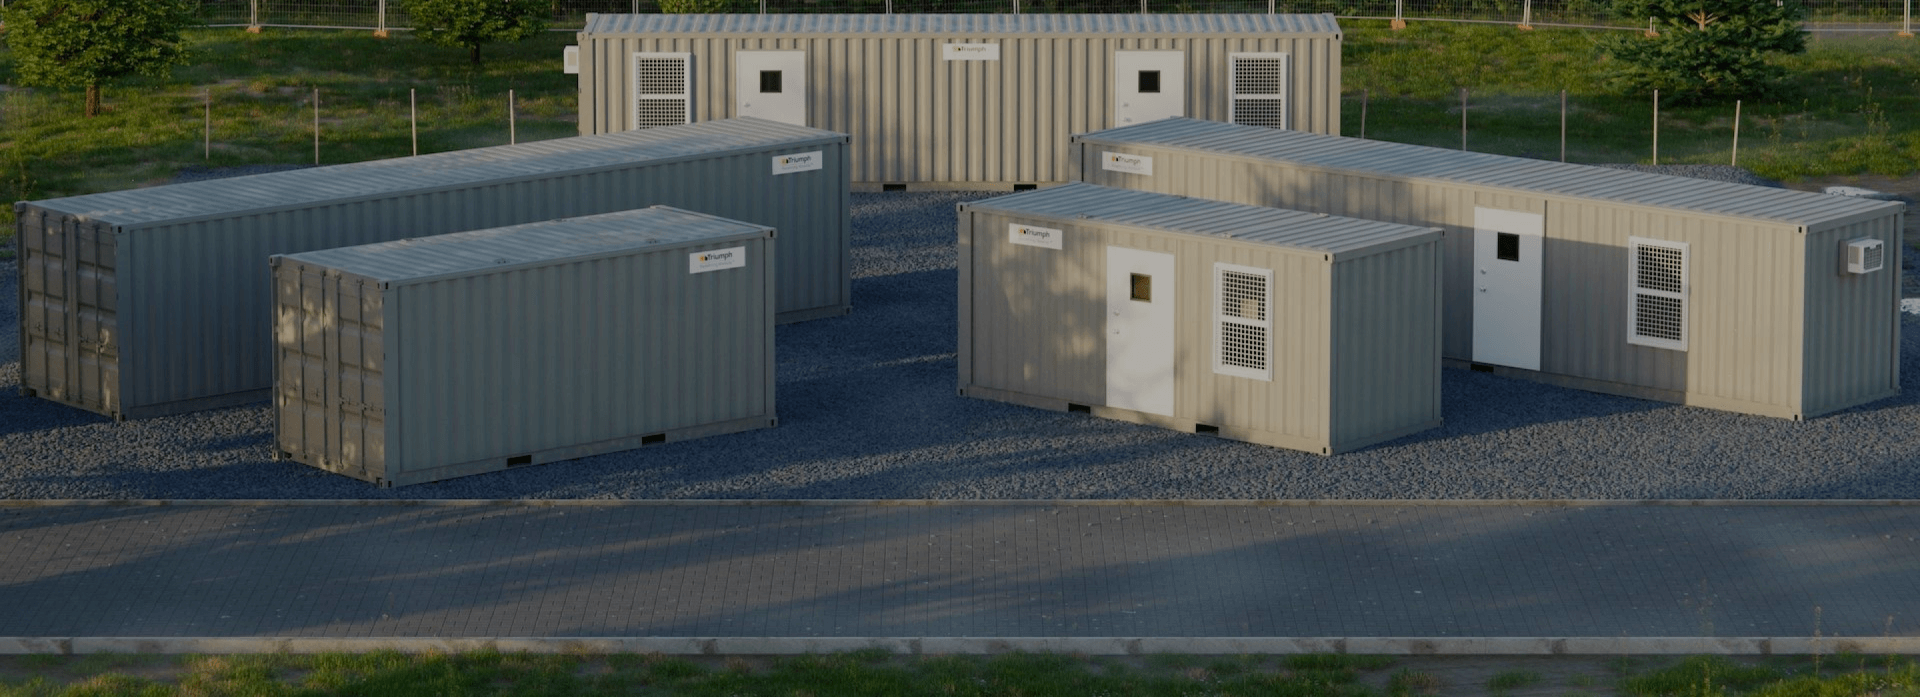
[(718, 570)]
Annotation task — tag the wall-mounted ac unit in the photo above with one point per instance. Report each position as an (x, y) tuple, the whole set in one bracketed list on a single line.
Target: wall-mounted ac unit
[(1865, 255)]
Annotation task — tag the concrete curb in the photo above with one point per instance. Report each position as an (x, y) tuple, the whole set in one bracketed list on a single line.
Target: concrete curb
[(1094, 646), (1264, 503)]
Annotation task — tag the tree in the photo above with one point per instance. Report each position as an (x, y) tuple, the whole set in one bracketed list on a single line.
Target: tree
[(471, 23), (88, 43), (1707, 49)]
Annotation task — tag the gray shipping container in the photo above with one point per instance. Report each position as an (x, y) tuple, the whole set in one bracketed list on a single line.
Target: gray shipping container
[(1727, 296), (1278, 327), (960, 100), (424, 359), (155, 301)]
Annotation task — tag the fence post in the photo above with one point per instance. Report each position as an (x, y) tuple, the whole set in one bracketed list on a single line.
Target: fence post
[(1906, 20), (207, 134), (1563, 125), (1463, 118), (1363, 114), (1399, 18), (1526, 16), (253, 16), (1736, 133), (381, 27), (413, 119), (1656, 128), (316, 125), (513, 131)]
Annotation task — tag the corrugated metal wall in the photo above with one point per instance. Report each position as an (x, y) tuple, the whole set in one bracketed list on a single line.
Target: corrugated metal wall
[(1354, 358), (193, 304), (916, 117), (552, 361), (1852, 325), (1754, 289)]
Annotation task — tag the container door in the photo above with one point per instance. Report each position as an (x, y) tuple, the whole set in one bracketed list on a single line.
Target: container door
[(1148, 86), (1140, 330), (1507, 249), (771, 85)]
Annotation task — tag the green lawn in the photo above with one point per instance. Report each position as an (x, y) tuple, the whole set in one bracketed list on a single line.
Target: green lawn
[(879, 674), (1851, 106)]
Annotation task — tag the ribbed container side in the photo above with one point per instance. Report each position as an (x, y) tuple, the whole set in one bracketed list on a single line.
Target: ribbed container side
[(1033, 319), (917, 117), (1385, 346), (185, 313), (506, 347), (1852, 321), (1746, 339)]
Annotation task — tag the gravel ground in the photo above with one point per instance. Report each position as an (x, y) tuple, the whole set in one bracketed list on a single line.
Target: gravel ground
[(868, 410)]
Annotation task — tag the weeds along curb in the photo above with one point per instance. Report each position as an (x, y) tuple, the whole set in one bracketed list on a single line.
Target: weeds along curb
[(1092, 646), (1010, 503)]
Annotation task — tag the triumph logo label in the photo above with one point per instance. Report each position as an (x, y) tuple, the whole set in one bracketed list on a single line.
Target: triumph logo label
[(970, 52), (1033, 236), (797, 162), (1131, 164), (717, 259)]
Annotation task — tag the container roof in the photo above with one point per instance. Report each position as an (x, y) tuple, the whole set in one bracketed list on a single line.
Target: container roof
[(422, 259), (1400, 161), (1298, 230), (407, 175), (956, 25)]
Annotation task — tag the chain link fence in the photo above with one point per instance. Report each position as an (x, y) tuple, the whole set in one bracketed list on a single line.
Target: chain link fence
[(1825, 15)]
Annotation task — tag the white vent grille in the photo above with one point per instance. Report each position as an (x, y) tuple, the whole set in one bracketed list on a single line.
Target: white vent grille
[(1242, 322), (1259, 95), (1865, 255), (1657, 277), (660, 89)]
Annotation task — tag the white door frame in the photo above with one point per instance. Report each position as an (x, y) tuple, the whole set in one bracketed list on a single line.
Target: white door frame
[(789, 105), (1507, 286), (1130, 104), (1140, 332)]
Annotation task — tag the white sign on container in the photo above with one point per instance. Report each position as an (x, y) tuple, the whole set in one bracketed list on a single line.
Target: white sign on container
[(797, 162), (1122, 162), (1034, 236), (717, 259), (970, 52)]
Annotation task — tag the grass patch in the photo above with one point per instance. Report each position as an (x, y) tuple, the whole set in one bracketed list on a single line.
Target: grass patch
[(1850, 105), (1512, 680)]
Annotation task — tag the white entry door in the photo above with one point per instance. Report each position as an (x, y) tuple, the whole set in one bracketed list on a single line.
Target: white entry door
[(1507, 247), (1148, 86), (1140, 330), (771, 85)]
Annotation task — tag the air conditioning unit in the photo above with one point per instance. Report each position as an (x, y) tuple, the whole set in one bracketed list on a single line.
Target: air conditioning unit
[(1865, 255)]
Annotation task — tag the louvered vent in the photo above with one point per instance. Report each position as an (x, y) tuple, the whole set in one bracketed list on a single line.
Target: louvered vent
[(1259, 95), (1865, 255), (1657, 315), (660, 94), (1242, 321)]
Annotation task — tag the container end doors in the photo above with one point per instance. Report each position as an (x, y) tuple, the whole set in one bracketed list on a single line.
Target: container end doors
[(1507, 248), (1148, 86), (1140, 297), (771, 85), (69, 326)]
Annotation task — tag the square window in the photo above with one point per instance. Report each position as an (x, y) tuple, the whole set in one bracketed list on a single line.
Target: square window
[(1149, 82), (769, 82), (1508, 247), (1142, 288)]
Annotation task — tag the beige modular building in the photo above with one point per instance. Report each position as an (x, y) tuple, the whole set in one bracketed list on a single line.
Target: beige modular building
[(1291, 329), (959, 100), (1726, 296), (154, 301), (424, 359)]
